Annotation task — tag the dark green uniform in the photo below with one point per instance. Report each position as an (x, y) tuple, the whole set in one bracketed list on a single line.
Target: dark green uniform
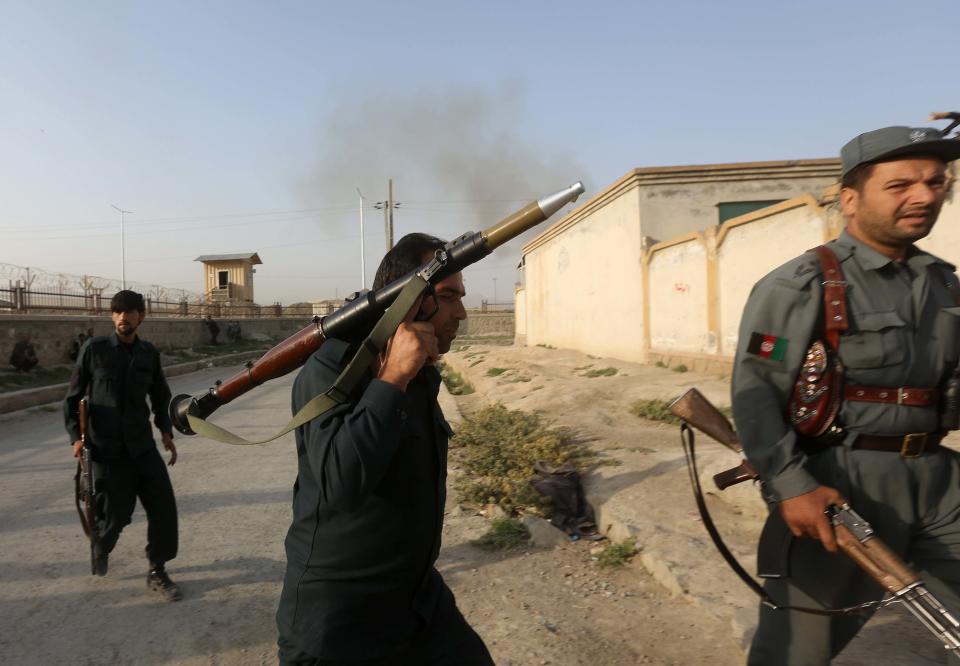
[(119, 377), (368, 510), (903, 333)]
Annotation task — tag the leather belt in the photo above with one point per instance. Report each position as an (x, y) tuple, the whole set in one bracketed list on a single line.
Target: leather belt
[(912, 445), (908, 446), (902, 395)]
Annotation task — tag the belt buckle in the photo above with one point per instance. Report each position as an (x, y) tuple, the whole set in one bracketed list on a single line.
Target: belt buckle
[(913, 445)]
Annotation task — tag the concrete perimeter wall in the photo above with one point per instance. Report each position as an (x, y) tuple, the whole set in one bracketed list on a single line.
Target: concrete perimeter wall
[(684, 303), (699, 283), (487, 323), (588, 270), (52, 335)]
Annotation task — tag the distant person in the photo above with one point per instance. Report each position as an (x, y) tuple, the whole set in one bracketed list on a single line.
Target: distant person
[(119, 372), (24, 356), (233, 331), (212, 328), (76, 345)]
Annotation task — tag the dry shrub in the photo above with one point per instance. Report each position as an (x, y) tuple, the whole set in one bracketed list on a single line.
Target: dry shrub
[(498, 448)]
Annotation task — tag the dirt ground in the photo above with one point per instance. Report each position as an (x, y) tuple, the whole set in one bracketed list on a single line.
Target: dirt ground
[(533, 606), (642, 479), (556, 606)]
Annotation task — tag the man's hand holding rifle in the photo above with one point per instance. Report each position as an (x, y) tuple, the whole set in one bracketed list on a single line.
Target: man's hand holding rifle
[(836, 525)]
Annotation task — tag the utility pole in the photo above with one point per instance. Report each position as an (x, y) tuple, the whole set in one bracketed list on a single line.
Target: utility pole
[(123, 263), (363, 267), (388, 207)]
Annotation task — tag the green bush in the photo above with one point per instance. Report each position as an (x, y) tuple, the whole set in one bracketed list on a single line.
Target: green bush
[(654, 410), (495, 372), (659, 410), (680, 368), (504, 534), (617, 554), (498, 447), (455, 382), (601, 372)]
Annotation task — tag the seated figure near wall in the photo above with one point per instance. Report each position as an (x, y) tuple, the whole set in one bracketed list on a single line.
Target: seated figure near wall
[(24, 356)]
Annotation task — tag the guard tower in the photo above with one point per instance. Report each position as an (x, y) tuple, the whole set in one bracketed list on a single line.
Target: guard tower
[(228, 278)]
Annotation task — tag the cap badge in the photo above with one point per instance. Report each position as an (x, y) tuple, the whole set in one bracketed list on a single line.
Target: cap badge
[(918, 135)]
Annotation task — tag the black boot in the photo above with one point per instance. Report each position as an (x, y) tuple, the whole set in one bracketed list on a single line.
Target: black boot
[(159, 581), (100, 564)]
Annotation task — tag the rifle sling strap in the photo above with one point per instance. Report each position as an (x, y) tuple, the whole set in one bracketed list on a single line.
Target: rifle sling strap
[(349, 378), (687, 440)]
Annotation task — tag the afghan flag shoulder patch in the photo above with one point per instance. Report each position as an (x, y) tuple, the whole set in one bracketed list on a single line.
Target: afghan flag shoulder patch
[(767, 346)]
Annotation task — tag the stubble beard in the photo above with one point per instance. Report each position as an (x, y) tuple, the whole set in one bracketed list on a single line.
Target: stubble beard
[(891, 231)]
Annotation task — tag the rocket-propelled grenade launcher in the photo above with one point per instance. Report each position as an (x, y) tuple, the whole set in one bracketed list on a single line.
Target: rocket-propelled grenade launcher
[(355, 319)]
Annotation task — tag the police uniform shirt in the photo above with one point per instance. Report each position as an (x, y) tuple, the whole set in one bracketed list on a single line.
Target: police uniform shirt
[(120, 378), (902, 332), (367, 515)]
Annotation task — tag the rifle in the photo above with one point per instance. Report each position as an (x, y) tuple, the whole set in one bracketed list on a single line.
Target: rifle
[(855, 536), (354, 320), (693, 407), (84, 488)]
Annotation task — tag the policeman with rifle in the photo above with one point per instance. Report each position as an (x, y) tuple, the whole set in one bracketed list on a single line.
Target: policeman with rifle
[(843, 387), (115, 375)]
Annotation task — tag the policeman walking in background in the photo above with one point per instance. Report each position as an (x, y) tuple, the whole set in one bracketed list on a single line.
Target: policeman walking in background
[(119, 372), (896, 307)]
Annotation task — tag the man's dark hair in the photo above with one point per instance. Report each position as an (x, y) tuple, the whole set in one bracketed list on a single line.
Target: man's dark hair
[(127, 300), (407, 255), (857, 177)]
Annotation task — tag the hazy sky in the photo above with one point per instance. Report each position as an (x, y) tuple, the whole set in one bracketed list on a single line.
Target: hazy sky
[(241, 126)]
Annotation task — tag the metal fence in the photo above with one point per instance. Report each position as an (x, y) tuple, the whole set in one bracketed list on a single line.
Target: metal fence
[(18, 299)]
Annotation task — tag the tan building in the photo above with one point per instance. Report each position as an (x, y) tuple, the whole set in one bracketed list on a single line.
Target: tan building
[(595, 281), (228, 278), (326, 306)]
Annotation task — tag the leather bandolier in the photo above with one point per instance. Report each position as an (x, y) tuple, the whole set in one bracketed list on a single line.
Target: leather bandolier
[(820, 390)]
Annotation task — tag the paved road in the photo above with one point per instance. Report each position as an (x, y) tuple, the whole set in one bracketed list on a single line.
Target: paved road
[(234, 509)]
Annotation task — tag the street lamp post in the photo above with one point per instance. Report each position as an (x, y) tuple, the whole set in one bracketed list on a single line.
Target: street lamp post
[(363, 267), (123, 263)]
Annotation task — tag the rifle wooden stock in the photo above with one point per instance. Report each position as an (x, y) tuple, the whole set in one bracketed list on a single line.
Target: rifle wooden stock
[(694, 408)]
